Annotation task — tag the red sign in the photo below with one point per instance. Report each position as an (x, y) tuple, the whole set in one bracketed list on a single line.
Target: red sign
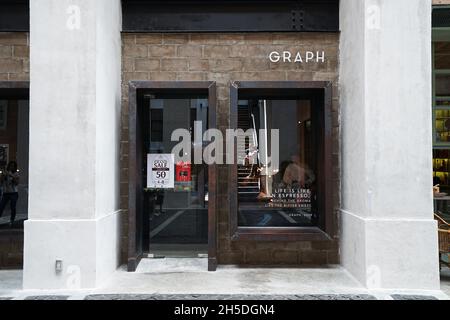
[(183, 171)]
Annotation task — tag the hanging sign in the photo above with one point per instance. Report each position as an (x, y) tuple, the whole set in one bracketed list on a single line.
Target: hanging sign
[(160, 171)]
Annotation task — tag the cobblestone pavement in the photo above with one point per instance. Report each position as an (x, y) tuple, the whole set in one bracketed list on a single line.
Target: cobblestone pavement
[(229, 297), (402, 297), (202, 297), (47, 297)]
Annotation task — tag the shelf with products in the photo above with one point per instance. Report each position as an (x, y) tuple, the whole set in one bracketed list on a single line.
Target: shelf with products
[(441, 94), (441, 168), (441, 179), (441, 121), (441, 114)]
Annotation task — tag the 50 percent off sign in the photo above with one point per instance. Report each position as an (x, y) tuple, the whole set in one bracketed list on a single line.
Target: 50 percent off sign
[(160, 171)]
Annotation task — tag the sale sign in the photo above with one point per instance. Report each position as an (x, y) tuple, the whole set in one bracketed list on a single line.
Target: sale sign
[(160, 171)]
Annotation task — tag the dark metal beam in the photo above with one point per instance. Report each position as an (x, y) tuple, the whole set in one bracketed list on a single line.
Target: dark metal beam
[(230, 16), (204, 16), (14, 15)]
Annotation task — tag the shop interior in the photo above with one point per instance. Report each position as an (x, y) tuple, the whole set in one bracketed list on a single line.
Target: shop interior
[(441, 128)]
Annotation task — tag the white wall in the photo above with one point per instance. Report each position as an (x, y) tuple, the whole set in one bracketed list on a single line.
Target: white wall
[(75, 67), (389, 238), (62, 113), (108, 112)]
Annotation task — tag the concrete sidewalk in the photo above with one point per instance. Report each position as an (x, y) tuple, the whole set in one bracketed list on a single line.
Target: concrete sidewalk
[(166, 279)]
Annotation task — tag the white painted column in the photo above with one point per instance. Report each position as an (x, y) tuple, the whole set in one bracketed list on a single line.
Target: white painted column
[(74, 143), (389, 238)]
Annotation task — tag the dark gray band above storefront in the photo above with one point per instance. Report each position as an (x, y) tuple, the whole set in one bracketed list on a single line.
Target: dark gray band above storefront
[(14, 15), (230, 16), (205, 16), (214, 16)]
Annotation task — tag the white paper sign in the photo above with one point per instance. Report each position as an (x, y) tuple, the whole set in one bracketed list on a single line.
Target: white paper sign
[(160, 171)]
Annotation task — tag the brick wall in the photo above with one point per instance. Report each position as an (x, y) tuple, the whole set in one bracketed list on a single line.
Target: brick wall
[(441, 2), (14, 56), (223, 58), (14, 66)]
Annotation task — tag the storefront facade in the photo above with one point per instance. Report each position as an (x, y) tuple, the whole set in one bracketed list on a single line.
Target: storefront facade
[(111, 81), (222, 59)]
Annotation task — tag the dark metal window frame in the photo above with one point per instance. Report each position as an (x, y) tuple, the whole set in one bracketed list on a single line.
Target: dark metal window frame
[(325, 231), (135, 170), (14, 89)]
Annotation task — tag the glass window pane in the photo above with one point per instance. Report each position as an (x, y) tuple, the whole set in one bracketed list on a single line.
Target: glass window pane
[(441, 181), (14, 141), (441, 168), (442, 126), (178, 217), (277, 193)]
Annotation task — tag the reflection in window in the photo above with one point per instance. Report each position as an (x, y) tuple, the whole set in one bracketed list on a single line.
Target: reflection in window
[(282, 195), (14, 134)]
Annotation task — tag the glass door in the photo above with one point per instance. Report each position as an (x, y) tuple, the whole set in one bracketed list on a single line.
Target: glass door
[(177, 214)]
